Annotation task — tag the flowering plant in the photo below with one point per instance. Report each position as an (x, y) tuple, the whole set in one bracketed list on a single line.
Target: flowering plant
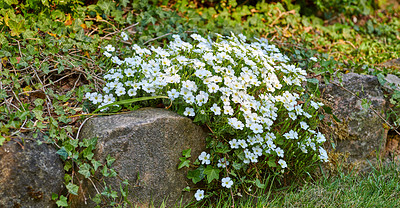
[(262, 119)]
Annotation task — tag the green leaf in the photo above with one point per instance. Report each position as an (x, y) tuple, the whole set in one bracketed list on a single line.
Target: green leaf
[(381, 78), (10, 2), (96, 164), (87, 153), (186, 153), (271, 162), (2, 139), (396, 94), (212, 173), (184, 162), (313, 81), (63, 153), (85, 170), (97, 198), (16, 27), (54, 196), (196, 175), (110, 160), (62, 202), (106, 6), (129, 101), (365, 104), (237, 166), (72, 188), (259, 184)]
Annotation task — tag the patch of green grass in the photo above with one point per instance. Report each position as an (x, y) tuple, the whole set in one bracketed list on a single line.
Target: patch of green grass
[(379, 188)]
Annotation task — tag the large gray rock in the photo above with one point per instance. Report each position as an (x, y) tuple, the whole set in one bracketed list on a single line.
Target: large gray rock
[(145, 143), (29, 174), (360, 134)]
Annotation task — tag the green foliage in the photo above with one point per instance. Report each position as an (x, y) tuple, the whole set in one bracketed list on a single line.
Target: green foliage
[(49, 53)]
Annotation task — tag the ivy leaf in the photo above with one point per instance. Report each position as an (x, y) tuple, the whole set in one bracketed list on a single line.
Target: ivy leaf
[(110, 160), (87, 153), (184, 162), (63, 153), (212, 173), (237, 166), (96, 164), (186, 153), (106, 6), (72, 188), (85, 170), (124, 3), (16, 27), (62, 202), (196, 175)]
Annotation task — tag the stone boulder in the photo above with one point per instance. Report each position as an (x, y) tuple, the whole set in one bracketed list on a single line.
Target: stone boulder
[(29, 174), (360, 133), (146, 144)]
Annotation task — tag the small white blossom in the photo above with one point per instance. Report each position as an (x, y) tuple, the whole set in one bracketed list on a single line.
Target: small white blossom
[(124, 36), (227, 182), (189, 112), (282, 163), (199, 195), (204, 157), (110, 48)]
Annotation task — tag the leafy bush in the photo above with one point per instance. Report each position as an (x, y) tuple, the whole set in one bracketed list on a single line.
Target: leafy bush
[(262, 119)]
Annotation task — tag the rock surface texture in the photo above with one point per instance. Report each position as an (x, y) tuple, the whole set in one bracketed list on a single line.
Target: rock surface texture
[(145, 143), (29, 174), (360, 132)]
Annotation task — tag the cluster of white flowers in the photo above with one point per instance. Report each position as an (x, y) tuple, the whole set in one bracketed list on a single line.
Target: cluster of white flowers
[(244, 83)]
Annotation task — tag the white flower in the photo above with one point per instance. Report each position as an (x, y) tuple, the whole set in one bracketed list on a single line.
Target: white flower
[(120, 91), (282, 163), (189, 112), (204, 157), (199, 195), (303, 125), (323, 155), (173, 94), (314, 59), (234, 144), (279, 151), (216, 109), (222, 163), (320, 137), (107, 54), (108, 99), (228, 110), (213, 88), (291, 135), (242, 143), (314, 104), (124, 36), (257, 150), (110, 48), (292, 116), (227, 182), (96, 98), (131, 92)]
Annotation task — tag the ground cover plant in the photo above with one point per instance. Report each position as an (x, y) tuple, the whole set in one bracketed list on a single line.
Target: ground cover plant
[(263, 121), (49, 58)]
